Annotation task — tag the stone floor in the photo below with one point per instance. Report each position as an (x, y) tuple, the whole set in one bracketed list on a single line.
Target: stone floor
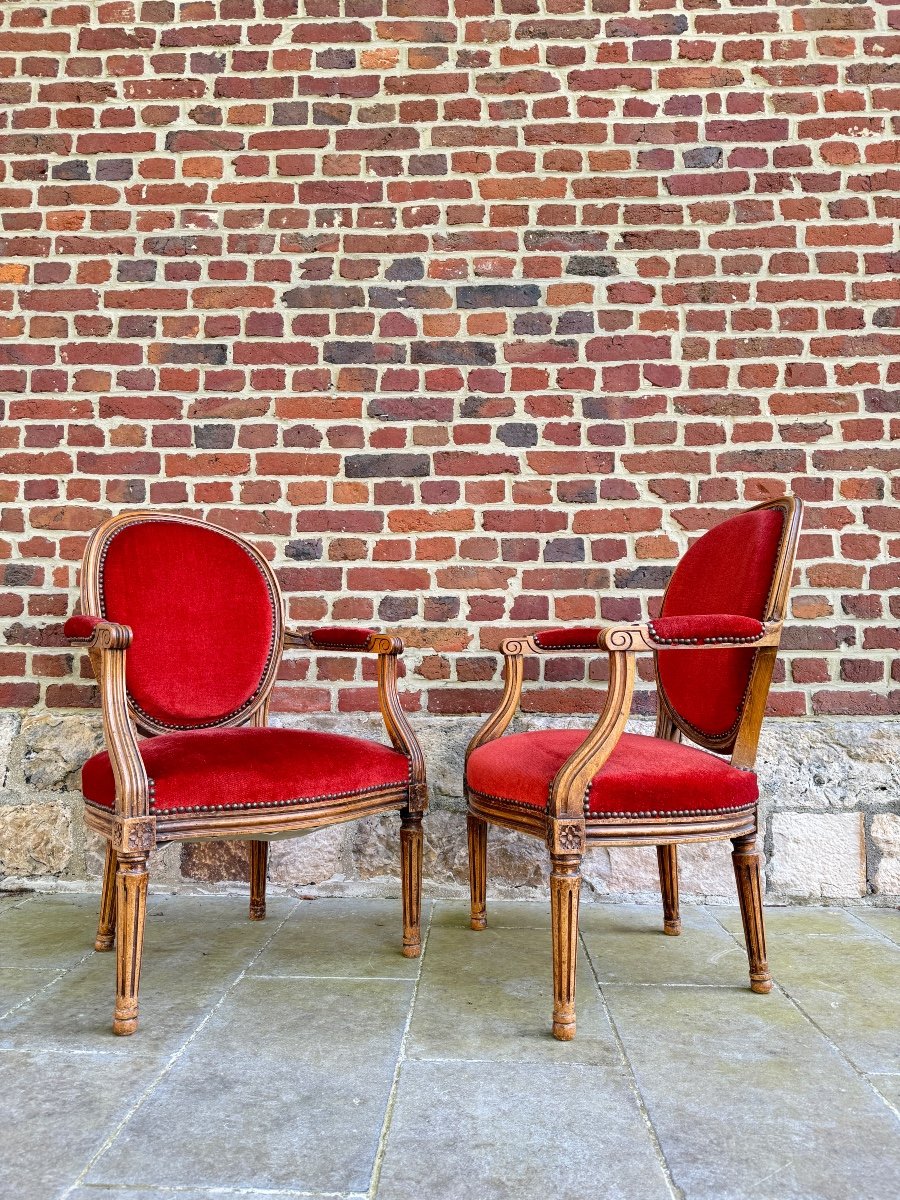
[(305, 1057)]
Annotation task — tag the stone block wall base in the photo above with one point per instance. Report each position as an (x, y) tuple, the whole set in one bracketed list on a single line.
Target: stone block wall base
[(829, 821)]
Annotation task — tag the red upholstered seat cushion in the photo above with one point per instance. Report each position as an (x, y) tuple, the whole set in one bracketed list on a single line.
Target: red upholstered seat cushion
[(241, 768), (643, 775)]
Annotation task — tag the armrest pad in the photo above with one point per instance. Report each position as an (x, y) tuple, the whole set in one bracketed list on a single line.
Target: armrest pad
[(340, 637), (704, 630), (583, 637), (344, 638), (81, 628)]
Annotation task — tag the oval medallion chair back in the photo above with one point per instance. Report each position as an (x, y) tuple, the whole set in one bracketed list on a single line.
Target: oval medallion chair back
[(715, 644), (183, 624)]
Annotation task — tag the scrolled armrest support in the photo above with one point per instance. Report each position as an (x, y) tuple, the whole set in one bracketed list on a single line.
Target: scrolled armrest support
[(108, 643), (388, 648)]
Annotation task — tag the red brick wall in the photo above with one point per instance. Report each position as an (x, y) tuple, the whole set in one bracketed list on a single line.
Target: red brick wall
[(470, 312)]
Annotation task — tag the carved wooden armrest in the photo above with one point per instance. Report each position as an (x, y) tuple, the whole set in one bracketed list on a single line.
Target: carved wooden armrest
[(344, 639), (107, 645), (706, 631), (388, 649)]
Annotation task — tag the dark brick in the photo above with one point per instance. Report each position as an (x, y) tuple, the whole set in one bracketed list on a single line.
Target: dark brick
[(592, 265), (564, 550), (304, 549), (386, 466), (703, 156), (644, 578), (454, 354), (398, 608), (516, 434), (213, 437), (498, 295), (405, 269)]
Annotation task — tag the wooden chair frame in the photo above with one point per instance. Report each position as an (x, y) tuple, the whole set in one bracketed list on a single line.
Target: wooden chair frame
[(132, 831), (567, 830)]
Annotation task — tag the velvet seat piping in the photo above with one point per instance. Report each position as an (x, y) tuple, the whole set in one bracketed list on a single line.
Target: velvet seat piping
[(220, 769), (643, 777)]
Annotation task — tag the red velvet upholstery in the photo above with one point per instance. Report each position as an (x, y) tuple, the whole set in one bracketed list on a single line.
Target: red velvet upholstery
[(642, 776), (211, 769), (728, 570), (202, 614), (341, 637), (705, 629), (80, 628), (576, 638)]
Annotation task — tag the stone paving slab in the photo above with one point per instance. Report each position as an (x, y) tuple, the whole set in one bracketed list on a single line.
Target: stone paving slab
[(341, 938), (627, 945), (843, 975), (305, 1057), (494, 1131), (748, 1099), (286, 1086), (885, 921), (59, 1112), (192, 953), (488, 995)]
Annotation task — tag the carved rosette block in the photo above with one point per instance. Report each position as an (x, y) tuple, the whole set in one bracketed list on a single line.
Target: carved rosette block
[(565, 836), (259, 862), (411, 882), (477, 833), (134, 835), (748, 877)]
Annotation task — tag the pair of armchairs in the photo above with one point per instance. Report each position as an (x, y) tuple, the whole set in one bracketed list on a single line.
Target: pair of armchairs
[(184, 628)]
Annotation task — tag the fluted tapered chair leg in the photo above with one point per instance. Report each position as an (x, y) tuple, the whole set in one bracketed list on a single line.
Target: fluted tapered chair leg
[(477, 831), (748, 877), (565, 890), (411, 840), (106, 924), (131, 909), (259, 862), (667, 856)]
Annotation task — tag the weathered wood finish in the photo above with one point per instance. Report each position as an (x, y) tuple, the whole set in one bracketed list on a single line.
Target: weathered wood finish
[(748, 876), (131, 910), (476, 829), (106, 925), (667, 857), (132, 831), (259, 862), (564, 820), (411, 844)]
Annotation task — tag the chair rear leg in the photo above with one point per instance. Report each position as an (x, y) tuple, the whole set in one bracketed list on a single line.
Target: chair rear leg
[(747, 874), (259, 862), (106, 925), (411, 882), (477, 831), (565, 889), (131, 909), (667, 856)]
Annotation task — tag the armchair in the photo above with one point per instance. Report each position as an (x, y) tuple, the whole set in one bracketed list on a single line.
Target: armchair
[(714, 645), (183, 625)]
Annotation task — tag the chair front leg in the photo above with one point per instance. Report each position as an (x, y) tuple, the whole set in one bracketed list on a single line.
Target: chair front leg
[(106, 925), (259, 862), (567, 843), (477, 831), (747, 874), (667, 857), (131, 908), (411, 881)]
